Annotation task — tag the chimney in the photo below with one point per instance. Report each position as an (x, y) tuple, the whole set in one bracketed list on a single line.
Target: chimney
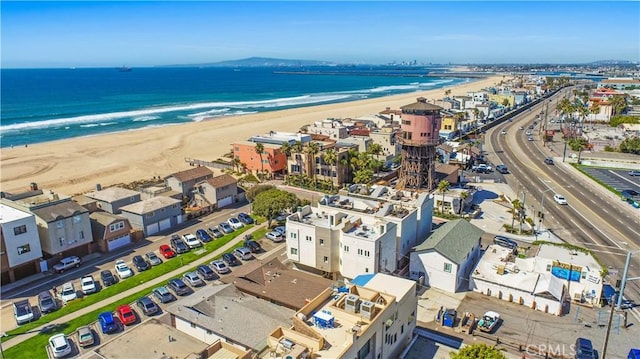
[(33, 186), (98, 187)]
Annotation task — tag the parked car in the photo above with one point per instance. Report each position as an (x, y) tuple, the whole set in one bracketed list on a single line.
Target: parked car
[(191, 240), (205, 272), (68, 292), (88, 285), (107, 322), (220, 267), (85, 336), (584, 349), (140, 264), (122, 269), (634, 173), (46, 302), (167, 252), (528, 133), (235, 223), (178, 287), (230, 259), (502, 169), (163, 295), (178, 245), (215, 232), (193, 279), (505, 242), (203, 236), (489, 321), (559, 199), (108, 278), (503, 132), (225, 228), (243, 253), (274, 236), (281, 229), (153, 259), (22, 311), (253, 246), (548, 160), (482, 168), (67, 263), (59, 345), (245, 218), (125, 314), (147, 306)]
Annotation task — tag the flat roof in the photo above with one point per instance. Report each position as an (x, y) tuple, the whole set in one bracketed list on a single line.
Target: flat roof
[(151, 340), (396, 286), (112, 194), (566, 255), (495, 256), (10, 214)]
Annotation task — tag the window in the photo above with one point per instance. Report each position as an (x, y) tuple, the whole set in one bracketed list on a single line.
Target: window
[(346, 248), (293, 235), (326, 259), (174, 206), (322, 242), (77, 219), (447, 267), (209, 332), (20, 230), (584, 275), (24, 249), (149, 215), (359, 251), (294, 251), (81, 234), (406, 122), (308, 238), (132, 199), (548, 267), (366, 270), (62, 241), (366, 253), (116, 226), (193, 325), (60, 224)]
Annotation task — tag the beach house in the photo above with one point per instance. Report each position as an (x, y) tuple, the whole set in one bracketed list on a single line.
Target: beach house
[(184, 181), (20, 250), (112, 198), (216, 192), (110, 231), (154, 215)]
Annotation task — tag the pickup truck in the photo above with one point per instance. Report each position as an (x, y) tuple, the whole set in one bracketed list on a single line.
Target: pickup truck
[(488, 321), (67, 263), (482, 168)]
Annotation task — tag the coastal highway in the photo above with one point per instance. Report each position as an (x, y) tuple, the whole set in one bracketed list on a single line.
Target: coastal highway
[(593, 219)]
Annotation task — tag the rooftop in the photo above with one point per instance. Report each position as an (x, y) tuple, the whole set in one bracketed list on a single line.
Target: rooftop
[(566, 255), (497, 260), (10, 214), (59, 211), (191, 174), (150, 205), (112, 194), (421, 104), (105, 218), (454, 240), (278, 138), (222, 180), (36, 198)]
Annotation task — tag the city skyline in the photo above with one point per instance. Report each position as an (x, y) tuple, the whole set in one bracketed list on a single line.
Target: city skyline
[(103, 34)]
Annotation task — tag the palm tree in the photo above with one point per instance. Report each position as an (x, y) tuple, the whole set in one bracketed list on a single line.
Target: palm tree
[(447, 92), (236, 163), (286, 148), (463, 196), (443, 187), (505, 102), (312, 149), (618, 103), (515, 210), (578, 144), (344, 164), (297, 149), (260, 151), (458, 117), (330, 157)]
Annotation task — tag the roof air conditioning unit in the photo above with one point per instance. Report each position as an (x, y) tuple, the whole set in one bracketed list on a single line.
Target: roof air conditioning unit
[(366, 309), (287, 344), (352, 303)]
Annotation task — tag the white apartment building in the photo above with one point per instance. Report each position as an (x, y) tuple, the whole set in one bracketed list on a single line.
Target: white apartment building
[(20, 250), (372, 319), (329, 127), (361, 230), (278, 138)]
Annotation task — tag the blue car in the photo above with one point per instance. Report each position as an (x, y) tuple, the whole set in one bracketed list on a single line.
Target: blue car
[(107, 322), (245, 218), (203, 236)]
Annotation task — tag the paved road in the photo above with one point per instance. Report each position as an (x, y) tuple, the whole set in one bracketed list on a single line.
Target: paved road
[(595, 218), (150, 243)]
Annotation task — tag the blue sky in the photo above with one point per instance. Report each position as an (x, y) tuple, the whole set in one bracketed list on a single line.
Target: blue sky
[(81, 34)]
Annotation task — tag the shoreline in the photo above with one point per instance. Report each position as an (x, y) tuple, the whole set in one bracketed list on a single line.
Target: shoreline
[(76, 165)]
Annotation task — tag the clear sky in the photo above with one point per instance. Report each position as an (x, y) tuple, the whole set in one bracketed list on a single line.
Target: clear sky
[(63, 34)]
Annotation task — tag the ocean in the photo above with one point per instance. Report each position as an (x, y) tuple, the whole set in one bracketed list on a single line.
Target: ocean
[(40, 105)]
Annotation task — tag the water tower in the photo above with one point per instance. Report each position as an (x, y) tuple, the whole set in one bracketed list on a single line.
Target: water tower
[(419, 138)]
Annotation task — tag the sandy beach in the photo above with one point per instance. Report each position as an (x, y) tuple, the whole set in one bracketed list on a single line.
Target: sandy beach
[(76, 165)]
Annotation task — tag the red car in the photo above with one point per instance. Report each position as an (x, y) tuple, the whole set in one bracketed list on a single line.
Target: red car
[(125, 314), (167, 252)]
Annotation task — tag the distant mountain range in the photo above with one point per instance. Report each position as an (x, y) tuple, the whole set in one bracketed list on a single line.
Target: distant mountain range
[(259, 62)]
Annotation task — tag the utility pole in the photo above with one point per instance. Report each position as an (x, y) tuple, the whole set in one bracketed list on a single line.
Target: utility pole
[(606, 336)]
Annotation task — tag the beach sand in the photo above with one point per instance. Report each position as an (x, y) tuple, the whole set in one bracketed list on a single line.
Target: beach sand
[(76, 165)]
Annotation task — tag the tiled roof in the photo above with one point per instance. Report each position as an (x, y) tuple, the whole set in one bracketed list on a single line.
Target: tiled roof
[(150, 205), (191, 174), (222, 180), (59, 211), (274, 281), (453, 240), (446, 168)]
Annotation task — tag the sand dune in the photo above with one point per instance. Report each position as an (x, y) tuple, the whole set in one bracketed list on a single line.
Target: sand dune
[(76, 165)]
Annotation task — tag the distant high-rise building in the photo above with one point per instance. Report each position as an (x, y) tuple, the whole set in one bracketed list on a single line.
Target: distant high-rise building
[(419, 137)]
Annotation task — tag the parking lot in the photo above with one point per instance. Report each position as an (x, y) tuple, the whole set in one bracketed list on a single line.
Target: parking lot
[(618, 179)]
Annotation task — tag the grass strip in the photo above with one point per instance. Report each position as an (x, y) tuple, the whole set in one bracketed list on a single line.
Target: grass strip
[(40, 341)]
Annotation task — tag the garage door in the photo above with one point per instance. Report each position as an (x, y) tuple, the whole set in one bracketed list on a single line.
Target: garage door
[(118, 242), (165, 224), (152, 229), (225, 201)]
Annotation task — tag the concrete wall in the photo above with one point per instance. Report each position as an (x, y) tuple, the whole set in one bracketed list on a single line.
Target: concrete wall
[(15, 245), (516, 296), (65, 234), (431, 264)]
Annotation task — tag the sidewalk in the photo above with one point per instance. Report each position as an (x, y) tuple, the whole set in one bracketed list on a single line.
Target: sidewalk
[(152, 283)]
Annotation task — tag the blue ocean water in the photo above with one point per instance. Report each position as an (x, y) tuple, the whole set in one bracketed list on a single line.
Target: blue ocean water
[(39, 105)]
